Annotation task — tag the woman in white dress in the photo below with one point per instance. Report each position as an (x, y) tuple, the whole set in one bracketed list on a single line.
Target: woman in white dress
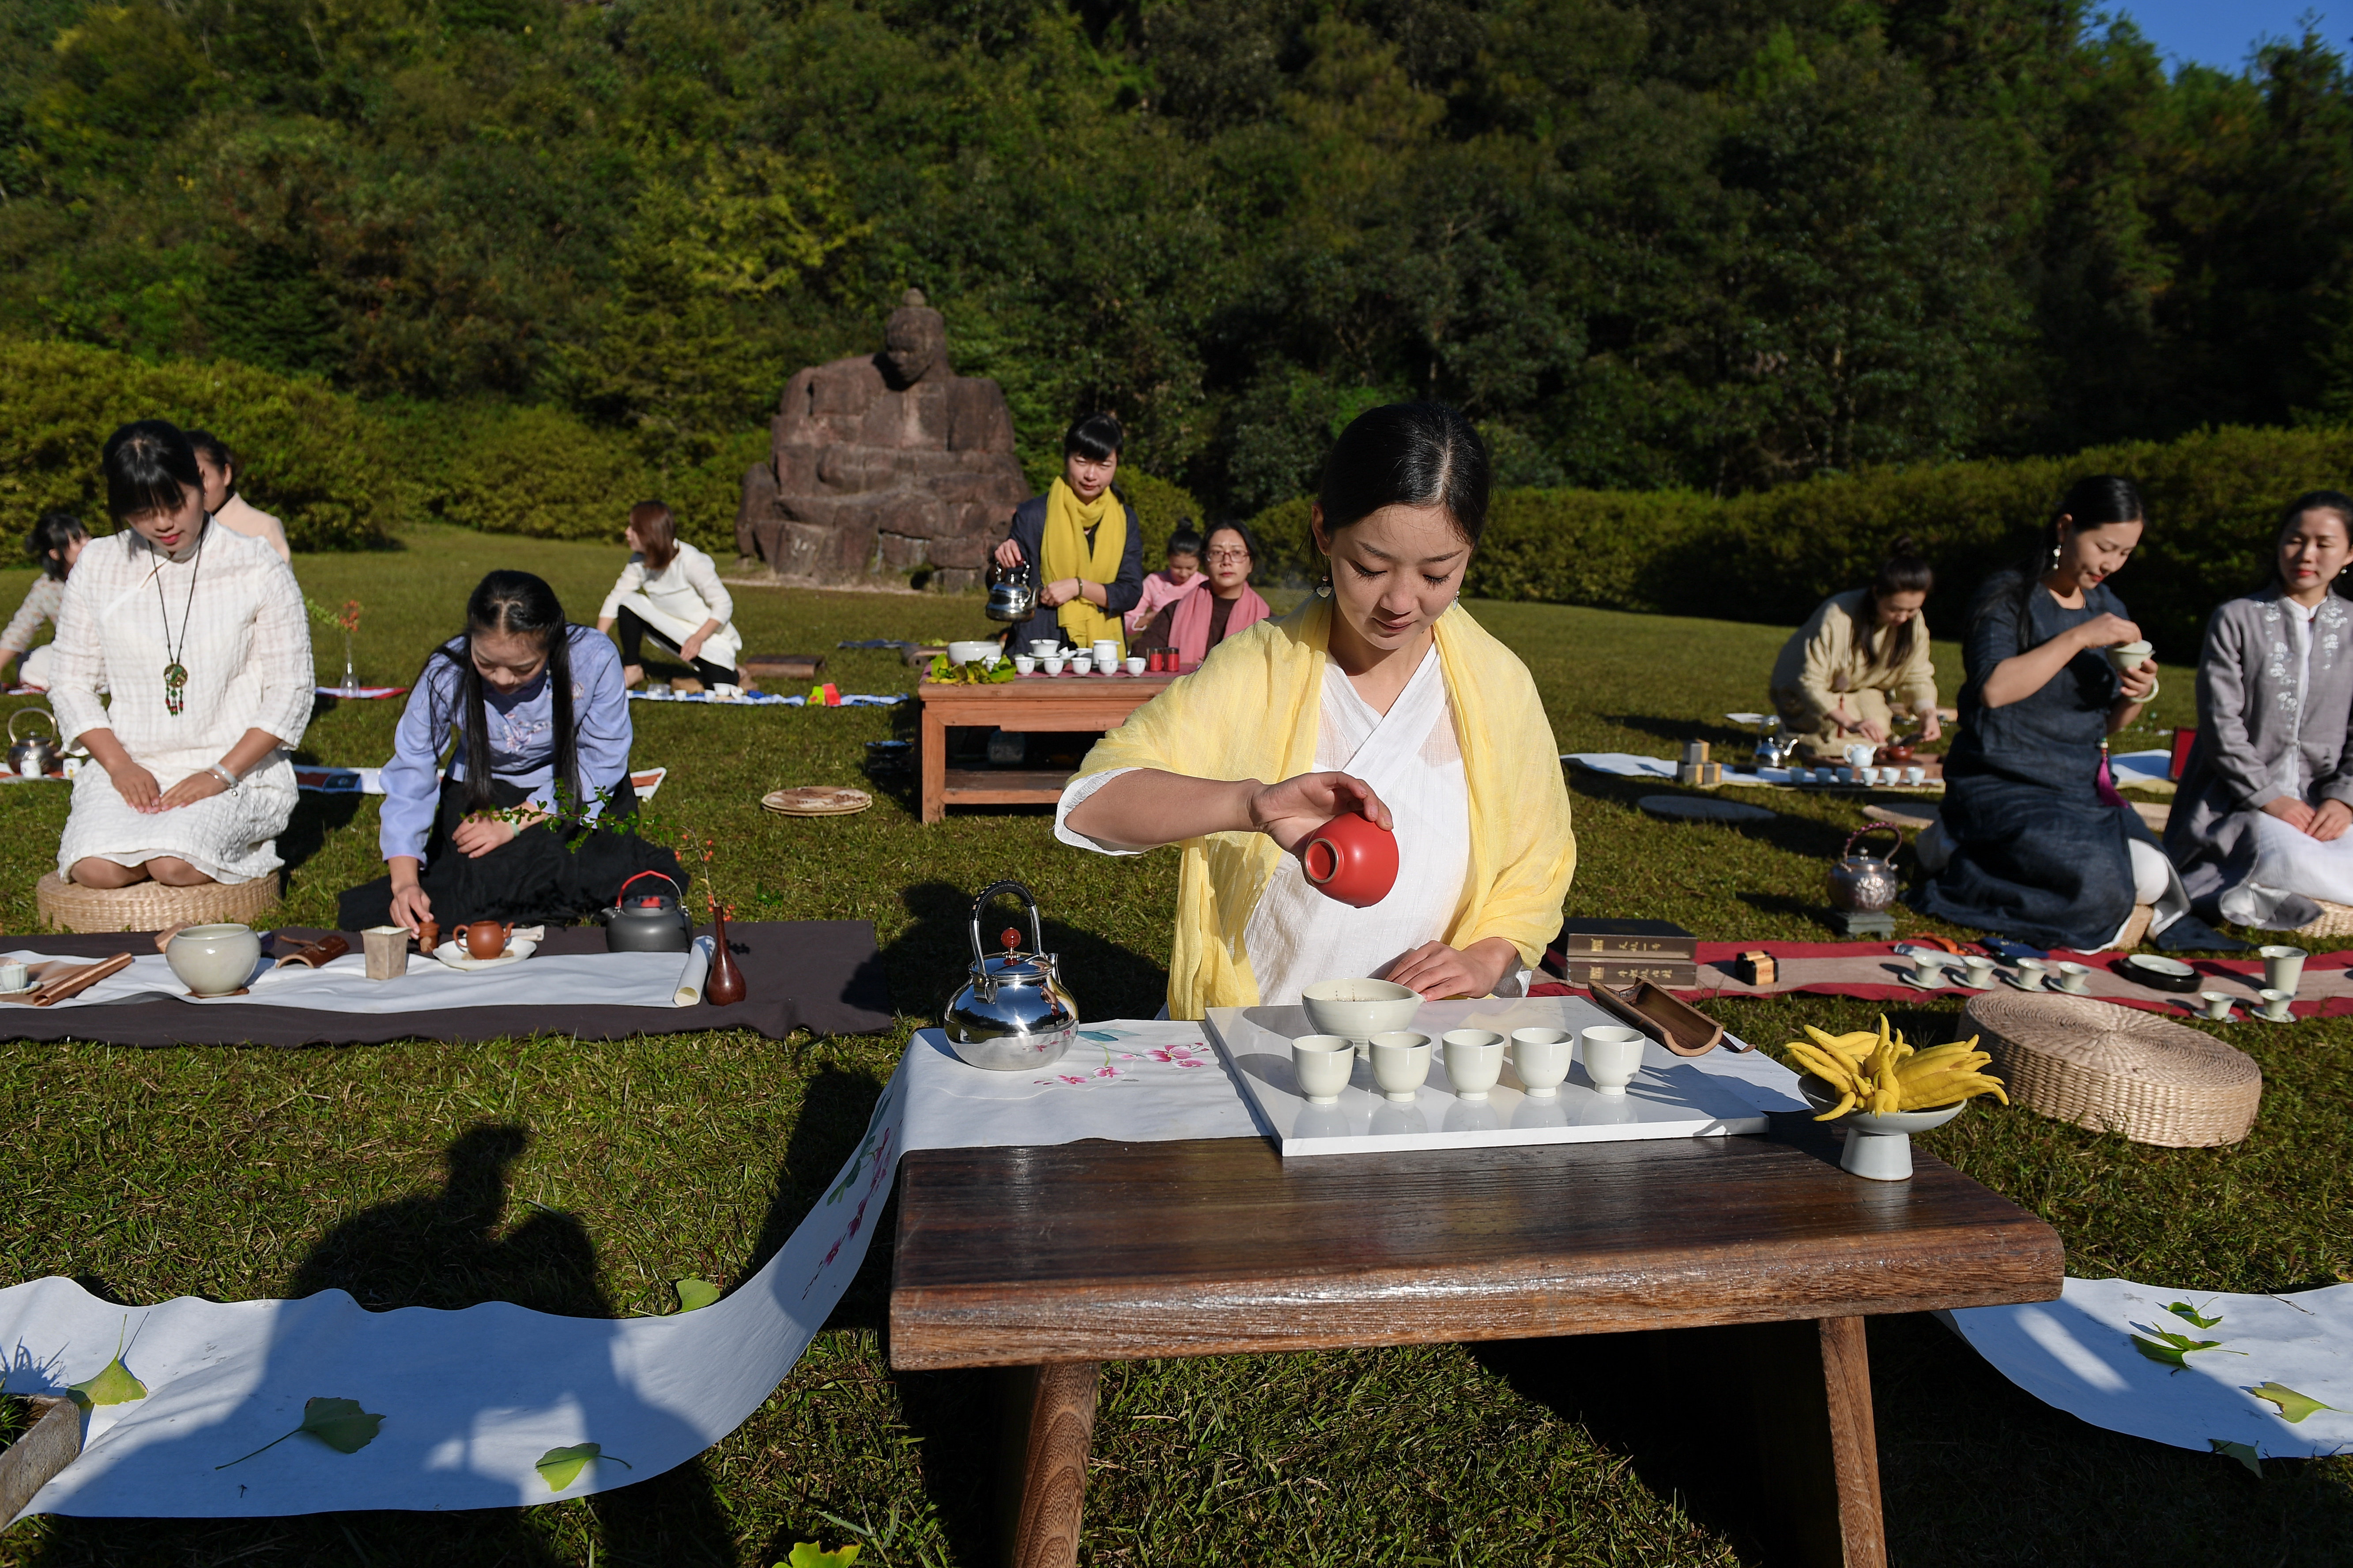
[(1379, 695), (201, 637), (57, 541), (670, 592)]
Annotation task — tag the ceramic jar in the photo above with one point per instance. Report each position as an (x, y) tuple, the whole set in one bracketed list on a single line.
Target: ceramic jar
[(1352, 859), (213, 960)]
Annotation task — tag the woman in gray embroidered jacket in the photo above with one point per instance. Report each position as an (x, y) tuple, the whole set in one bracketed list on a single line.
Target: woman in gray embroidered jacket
[(2258, 829)]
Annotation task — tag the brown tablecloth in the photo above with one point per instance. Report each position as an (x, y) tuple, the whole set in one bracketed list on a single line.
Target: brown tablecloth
[(820, 975)]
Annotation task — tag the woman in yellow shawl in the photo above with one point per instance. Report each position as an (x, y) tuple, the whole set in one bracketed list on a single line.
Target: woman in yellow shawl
[(1378, 695), (1085, 543)]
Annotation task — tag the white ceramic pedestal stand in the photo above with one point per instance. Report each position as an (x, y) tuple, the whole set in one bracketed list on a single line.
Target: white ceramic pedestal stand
[(1879, 1147)]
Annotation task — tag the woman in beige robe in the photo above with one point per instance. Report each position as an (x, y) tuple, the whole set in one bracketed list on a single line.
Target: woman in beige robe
[(1860, 660)]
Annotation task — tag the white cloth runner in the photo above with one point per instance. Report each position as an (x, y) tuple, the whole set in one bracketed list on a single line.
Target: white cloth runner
[(473, 1400), (2078, 1354), (613, 979)]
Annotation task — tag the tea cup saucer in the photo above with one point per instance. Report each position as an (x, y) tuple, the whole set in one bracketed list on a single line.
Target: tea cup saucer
[(455, 957), (1914, 981)]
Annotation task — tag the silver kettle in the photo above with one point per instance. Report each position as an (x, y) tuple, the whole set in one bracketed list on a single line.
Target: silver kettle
[(38, 755), (1013, 1015), (1012, 592), (1773, 747)]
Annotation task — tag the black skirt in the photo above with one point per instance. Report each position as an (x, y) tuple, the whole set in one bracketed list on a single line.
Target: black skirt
[(539, 877)]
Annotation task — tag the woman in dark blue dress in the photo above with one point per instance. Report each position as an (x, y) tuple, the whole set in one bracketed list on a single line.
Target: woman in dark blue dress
[(2034, 845)]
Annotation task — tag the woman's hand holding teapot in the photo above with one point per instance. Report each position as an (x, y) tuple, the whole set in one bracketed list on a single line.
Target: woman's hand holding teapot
[(1287, 812)]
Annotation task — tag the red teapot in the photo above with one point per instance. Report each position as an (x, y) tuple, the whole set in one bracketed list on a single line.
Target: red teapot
[(483, 939), (1352, 859)]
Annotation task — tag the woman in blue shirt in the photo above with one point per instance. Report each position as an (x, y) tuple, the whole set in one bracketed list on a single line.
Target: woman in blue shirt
[(541, 725)]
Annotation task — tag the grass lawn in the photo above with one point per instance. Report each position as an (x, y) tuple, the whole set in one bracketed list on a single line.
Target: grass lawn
[(584, 1179)]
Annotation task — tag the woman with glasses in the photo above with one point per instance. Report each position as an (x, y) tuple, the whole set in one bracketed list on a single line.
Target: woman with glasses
[(1084, 543), (1223, 604)]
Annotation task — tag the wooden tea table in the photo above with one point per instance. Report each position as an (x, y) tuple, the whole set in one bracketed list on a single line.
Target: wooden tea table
[(1058, 1259), (1028, 704)]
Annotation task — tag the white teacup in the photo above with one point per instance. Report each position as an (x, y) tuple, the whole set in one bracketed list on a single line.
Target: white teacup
[(2032, 973), (726, 692), (1401, 1064), (2128, 654), (2274, 1008), (1613, 1055), (1054, 662), (1322, 1063), (2218, 1005), (1136, 664), (16, 975), (2076, 979), (1105, 653), (1929, 969), (2283, 967), (1870, 775), (1082, 664), (1023, 664), (1042, 647), (1474, 1060), (1541, 1058), (1916, 774), (1980, 970)]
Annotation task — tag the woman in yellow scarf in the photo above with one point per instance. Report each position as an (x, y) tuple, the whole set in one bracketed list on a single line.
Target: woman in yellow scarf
[(1084, 542), (1379, 695)]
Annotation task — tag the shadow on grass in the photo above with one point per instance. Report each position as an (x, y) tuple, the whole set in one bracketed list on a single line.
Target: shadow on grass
[(931, 955), (1720, 734), (447, 1248), (316, 816)]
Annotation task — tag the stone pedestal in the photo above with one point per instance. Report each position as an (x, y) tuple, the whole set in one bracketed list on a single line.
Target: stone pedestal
[(882, 465)]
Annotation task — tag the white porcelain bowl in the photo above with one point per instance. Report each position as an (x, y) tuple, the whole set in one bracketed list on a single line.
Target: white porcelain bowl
[(213, 960), (980, 652), (1359, 1008)]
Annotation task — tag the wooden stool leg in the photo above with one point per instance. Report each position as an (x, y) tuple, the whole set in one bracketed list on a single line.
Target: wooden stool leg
[(1818, 1454), (933, 745), (1049, 1425)]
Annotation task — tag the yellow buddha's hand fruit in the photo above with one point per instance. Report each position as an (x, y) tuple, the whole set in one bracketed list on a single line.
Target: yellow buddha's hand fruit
[(1877, 1071)]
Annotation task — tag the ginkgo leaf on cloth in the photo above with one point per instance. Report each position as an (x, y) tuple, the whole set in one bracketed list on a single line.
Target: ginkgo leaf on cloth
[(559, 1467), (339, 1423), (2169, 1347), (113, 1384), (2292, 1406), (809, 1555), (693, 1293), (2242, 1452)]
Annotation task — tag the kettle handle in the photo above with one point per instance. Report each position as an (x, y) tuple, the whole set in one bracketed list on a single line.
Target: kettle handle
[(1036, 933), (1862, 833), (37, 713), (677, 890)]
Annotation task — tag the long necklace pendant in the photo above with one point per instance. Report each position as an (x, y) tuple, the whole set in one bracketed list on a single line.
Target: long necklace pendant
[(175, 684)]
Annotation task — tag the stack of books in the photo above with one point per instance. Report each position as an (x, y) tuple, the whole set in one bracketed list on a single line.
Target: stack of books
[(1622, 952)]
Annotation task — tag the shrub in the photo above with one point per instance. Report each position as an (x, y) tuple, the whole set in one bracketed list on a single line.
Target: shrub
[(1158, 506), (307, 453), (543, 472), (1773, 555)]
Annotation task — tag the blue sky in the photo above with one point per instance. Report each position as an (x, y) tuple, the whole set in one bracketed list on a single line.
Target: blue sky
[(2222, 32)]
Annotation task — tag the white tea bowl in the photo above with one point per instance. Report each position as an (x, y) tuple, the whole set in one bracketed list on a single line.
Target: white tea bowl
[(1541, 1058), (213, 960), (1613, 1055), (1401, 1064), (1359, 1008), (1474, 1060), (1322, 1064)]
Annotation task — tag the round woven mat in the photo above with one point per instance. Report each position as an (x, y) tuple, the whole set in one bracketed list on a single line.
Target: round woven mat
[(2106, 1067), (1702, 808), (817, 800), (2336, 919), (151, 905)]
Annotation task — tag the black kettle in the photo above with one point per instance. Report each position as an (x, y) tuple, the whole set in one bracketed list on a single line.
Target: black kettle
[(650, 922)]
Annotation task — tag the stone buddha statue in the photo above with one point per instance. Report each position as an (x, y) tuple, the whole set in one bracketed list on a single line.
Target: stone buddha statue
[(884, 465)]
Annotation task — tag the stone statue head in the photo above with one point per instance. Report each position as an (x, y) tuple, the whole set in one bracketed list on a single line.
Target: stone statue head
[(914, 344)]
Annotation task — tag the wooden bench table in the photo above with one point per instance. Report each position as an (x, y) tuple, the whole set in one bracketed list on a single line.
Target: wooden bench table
[(1058, 1259), (1029, 704)]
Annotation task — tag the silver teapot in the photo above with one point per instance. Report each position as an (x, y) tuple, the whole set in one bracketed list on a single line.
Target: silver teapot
[(1012, 592), (1773, 747), (1013, 1015), (1864, 884), (41, 754)]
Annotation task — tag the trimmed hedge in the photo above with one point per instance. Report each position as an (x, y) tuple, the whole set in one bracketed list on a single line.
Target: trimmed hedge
[(307, 453), (2213, 500)]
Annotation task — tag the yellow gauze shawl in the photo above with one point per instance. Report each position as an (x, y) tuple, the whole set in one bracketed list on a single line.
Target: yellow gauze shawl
[(1064, 546), (1253, 710)]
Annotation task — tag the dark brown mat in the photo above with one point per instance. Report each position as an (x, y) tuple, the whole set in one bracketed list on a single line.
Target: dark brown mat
[(820, 975)]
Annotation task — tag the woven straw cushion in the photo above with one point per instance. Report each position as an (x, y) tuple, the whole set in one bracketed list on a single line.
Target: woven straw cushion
[(2105, 1067), (2336, 919), (151, 905)]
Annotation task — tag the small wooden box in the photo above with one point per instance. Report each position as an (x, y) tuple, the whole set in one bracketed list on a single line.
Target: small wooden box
[(1755, 967)]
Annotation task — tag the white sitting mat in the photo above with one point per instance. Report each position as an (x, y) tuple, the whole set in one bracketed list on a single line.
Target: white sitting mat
[(473, 1400), (1670, 1097), (613, 979)]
